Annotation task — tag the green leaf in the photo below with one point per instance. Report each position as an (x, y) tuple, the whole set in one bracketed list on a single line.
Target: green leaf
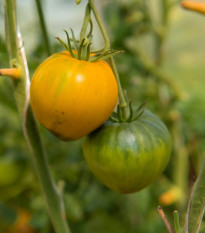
[(196, 205)]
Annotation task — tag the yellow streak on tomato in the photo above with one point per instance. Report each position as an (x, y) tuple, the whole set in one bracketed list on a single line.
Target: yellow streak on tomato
[(71, 97)]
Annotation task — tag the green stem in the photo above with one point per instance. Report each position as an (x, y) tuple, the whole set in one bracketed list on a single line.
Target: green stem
[(176, 222), (161, 31), (99, 22), (52, 196), (10, 23), (85, 23), (122, 101), (43, 27)]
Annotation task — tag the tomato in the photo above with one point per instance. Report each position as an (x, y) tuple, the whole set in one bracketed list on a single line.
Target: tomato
[(129, 156), (72, 97)]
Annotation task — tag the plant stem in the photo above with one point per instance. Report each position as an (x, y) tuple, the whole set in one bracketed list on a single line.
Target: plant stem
[(10, 27), (164, 218), (100, 25), (122, 101), (13, 73), (85, 22), (43, 27), (161, 31), (196, 6), (176, 222), (52, 196)]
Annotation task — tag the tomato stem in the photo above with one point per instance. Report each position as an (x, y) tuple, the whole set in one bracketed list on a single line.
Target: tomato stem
[(102, 29), (85, 22), (13, 73), (91, 29), (122, 101), (176, 222), (53, 199), (194, 6), (43, 27)]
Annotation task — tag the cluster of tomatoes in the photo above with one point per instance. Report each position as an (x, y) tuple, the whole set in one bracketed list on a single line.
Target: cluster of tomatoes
[(73, 98)]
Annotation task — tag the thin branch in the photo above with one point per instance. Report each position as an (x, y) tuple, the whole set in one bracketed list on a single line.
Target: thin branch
[(176, 221), (196, 6), (166, 222), (100, 25), (13, 73), (43, 27), (52, 196)]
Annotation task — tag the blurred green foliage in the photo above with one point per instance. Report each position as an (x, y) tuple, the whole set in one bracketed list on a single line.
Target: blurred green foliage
[(142, 30)]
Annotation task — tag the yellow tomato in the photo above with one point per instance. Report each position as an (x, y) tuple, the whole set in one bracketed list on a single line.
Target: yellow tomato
[(71, 97)]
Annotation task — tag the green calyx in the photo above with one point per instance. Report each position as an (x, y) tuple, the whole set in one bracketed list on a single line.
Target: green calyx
[(134, 113), (81, 50)]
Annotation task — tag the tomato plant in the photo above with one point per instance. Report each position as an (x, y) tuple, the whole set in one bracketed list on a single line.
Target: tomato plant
[(128, 156), (72, 97)]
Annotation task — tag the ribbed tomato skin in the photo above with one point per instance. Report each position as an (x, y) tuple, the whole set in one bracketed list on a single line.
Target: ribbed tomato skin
[(71, 97), (127, 157)]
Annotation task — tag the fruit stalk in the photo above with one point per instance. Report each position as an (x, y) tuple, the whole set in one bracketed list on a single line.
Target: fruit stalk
[(16, 51), (85, 23), (122, 101), (43, 27)]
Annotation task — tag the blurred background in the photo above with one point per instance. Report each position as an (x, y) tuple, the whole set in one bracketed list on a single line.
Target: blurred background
[(163, 60)]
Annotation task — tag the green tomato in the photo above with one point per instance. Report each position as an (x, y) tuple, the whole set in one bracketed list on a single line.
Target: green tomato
[(129, 156)]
